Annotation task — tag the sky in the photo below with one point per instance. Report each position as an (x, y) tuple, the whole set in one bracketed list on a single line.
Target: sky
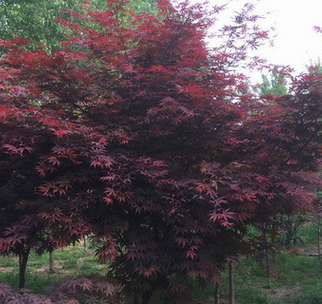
[(296, 43)]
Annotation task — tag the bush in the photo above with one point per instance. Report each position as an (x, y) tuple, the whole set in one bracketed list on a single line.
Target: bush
[(70, 291)]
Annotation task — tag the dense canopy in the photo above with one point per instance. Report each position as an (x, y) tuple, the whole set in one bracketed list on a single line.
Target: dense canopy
[(140, 135)]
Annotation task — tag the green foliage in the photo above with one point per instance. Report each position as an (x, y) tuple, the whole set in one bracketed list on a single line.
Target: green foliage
[(273, 84), (10, 278), (296, 280), (309, 233), (251, 295), (296, 268), (146, 6), (291, 224), (309, 295), (36, 19), (315, 67), (72, 262)]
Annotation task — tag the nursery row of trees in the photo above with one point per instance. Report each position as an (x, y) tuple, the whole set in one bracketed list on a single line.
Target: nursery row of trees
[(138, 133)]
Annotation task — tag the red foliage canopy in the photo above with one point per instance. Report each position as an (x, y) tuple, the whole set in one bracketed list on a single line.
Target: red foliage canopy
[(140, 134)]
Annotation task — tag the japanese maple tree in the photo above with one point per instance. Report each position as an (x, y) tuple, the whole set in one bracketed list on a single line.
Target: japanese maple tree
[(142, 135), (30, 220)]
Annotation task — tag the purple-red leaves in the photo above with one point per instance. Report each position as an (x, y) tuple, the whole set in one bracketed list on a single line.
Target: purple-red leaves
[(136, 133), (223, 217), (99, 159), (51, 189), (11, 149), (190, 89)]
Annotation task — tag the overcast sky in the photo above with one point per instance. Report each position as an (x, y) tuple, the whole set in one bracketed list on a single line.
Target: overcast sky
[(296, 42)]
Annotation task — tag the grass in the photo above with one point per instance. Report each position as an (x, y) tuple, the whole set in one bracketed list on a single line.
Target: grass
[(295, 279), (68, 262)]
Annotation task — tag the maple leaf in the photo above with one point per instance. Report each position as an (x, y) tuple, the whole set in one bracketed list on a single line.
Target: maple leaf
[(223, 216), (181, 241), (61, 132)]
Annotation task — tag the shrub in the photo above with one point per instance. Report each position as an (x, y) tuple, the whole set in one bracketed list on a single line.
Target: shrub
[(88, 290)]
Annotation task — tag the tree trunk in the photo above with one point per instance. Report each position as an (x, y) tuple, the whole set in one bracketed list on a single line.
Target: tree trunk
[(135, 300), (266, 253), (146, 297), (231, 284), (51, 261), (318, 239), (85, 243), (268, 266), (23, 259), (217, 297)]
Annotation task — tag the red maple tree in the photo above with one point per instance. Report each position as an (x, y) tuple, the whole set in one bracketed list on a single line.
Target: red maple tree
[(139, 133)]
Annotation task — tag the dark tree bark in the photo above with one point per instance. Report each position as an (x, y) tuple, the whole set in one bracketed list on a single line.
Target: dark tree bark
[(268, 266), (51, 261), (146, 297), (231, 284), (23, 259)]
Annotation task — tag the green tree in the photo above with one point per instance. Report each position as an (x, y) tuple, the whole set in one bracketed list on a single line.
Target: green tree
[(33, 19), (36, 19), (274, 84)]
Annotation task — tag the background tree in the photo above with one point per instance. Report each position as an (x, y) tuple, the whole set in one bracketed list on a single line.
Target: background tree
[(152, 143), (36, 20), (274, 84)]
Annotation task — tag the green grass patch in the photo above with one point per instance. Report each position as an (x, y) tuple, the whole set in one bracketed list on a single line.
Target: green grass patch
[(73, 262), (8, 261), (294, 279)]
